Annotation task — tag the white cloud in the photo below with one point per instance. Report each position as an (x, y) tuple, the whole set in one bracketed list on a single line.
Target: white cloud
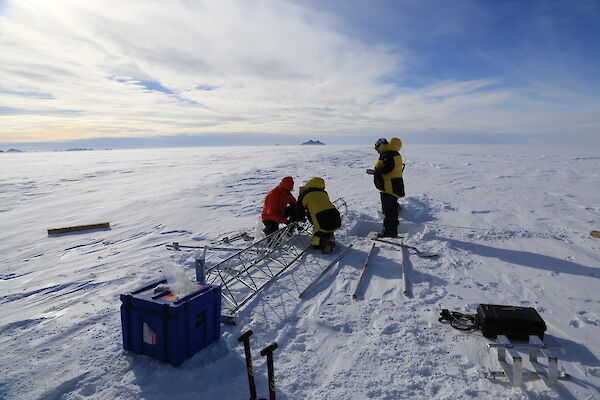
[(274, 68)]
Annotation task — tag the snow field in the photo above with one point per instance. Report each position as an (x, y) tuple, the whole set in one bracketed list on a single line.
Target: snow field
[(510, 224)]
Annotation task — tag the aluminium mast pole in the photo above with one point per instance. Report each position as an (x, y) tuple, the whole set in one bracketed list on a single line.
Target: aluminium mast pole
[(362, 273)]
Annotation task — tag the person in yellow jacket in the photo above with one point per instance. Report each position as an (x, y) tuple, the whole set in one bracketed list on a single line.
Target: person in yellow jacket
[(313, 202), (388, 179)]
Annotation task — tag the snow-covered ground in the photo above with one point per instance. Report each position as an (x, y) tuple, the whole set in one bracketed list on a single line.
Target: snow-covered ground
[(511, 225)]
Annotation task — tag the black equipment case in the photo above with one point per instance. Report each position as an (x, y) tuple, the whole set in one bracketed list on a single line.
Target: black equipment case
[(514, 322)]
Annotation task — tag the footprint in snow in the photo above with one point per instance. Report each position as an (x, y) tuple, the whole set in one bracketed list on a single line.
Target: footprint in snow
[(391, 329), (301, 347)]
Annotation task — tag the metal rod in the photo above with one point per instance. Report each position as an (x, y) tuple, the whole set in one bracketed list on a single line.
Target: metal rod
[(200, 263), (177, 246), (533, 351), (517, 370), (242, 235), (418, 252), (405, 277), (524, 346), (338, 258), (516, 375), (362, 273)]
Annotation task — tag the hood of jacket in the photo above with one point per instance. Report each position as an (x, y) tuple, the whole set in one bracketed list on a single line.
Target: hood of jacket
[(394, 144), (313, 183), (287, 183)]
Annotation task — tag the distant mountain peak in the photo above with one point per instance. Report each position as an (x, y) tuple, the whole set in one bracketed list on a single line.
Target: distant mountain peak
[(313, 142)]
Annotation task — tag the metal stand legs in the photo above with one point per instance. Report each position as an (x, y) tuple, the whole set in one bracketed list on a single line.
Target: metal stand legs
[(514, 372)]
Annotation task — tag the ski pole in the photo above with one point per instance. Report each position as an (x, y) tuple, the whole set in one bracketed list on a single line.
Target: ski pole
[(362, 274), (268, 351), (246, 339)]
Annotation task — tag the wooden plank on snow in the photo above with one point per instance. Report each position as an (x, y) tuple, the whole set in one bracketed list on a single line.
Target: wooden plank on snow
[(57, 231)]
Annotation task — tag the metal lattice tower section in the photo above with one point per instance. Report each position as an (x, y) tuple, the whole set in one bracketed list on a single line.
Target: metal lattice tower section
[(247, 272)]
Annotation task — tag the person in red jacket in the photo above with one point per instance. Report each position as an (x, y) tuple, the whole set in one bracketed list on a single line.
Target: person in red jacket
[(276, 203)]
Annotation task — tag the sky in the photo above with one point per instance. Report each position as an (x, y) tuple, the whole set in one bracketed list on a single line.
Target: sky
[(107, 72)]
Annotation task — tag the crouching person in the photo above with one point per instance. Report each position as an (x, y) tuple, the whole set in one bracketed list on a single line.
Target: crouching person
[(278, 203), (313, 202)]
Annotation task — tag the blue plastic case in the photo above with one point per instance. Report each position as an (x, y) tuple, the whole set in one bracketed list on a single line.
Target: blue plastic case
[(157, 324)]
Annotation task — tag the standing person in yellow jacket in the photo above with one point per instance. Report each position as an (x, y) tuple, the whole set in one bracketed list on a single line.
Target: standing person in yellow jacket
[(313, 202), (388, 179)]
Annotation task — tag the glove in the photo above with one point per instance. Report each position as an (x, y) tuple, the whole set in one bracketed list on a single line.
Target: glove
[(371, 171), (378, 181)]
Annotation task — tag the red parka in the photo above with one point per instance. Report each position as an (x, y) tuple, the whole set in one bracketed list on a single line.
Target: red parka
[(277, 200)]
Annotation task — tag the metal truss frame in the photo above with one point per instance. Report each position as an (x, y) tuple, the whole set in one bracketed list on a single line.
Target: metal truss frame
[(247, 272)]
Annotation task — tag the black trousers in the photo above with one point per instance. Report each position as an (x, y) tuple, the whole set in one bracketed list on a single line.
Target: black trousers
[(389, 206), (270, 227)]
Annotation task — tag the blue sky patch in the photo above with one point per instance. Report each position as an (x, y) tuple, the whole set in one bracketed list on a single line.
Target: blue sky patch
[(154, 86), (34, 95), (11, 111), (207, 88)]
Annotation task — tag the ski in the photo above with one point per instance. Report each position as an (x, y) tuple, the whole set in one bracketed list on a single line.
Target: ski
[(362, 273), (417, 252)]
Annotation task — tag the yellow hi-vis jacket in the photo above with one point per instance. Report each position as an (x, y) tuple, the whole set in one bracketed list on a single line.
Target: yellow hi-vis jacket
[(388, 168), (314, 201)]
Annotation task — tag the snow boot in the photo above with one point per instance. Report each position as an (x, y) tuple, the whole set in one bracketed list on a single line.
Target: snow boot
[(386, 234), (328, 247)]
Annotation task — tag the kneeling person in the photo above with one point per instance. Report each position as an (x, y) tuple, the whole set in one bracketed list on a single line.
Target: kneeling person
[(313, 201), (277, 204)]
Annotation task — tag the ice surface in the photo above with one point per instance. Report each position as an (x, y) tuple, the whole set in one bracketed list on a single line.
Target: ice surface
[(511, 225)]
